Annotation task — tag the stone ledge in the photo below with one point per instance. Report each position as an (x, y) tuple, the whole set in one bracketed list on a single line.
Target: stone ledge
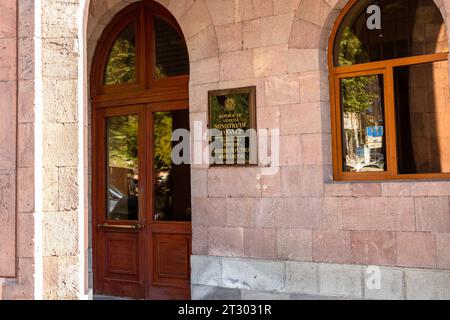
[(252, 279)]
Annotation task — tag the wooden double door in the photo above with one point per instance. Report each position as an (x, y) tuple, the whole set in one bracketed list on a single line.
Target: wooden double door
[(142, 208)]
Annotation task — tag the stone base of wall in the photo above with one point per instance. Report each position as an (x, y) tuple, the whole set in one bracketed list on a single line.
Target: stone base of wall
[(245, 279)]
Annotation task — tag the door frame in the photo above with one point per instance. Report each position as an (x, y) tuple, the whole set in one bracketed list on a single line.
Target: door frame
[(149, 95), (149, 277)]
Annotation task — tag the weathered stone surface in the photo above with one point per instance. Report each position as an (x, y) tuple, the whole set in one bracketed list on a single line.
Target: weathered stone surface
[(374, 248), (375, 213), (259, 275), (206, 271), (226, 242), (433, 214), (391, 285), (295, 244), (260, 243), (332, 246), (267, 296), (416, 249), (426, 285), (302, 277), (340, 280), (199, 292), (7, 225), (442, 250)]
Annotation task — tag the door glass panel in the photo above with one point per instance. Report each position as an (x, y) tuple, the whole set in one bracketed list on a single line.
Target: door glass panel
[(171, 53), (172, 180), (121, 66), (423, 118), (122, 168), (363, 134)]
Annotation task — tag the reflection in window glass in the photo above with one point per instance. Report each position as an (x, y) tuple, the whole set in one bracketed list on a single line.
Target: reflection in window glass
[(122, 163), (423, 118), (363, 136), (171, 53), (172, 182), (121, 67), (408, 28)]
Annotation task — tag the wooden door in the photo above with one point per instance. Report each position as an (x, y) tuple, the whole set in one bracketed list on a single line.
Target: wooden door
[(143, 221), (140, 196), (120, 218)]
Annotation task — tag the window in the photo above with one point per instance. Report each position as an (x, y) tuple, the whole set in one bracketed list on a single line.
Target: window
[(142, 49), (389, 92), (121, 66)]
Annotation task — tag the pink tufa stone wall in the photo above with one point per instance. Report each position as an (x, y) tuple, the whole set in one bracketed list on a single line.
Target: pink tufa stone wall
[(281, 47), (8, 123), (16, 150)]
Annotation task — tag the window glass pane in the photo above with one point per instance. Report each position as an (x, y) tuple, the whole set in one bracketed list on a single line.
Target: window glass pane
[(121, 67), (122, 164), (171, 53), (172, 182), (423, 118), (408, 28), (363, 134)]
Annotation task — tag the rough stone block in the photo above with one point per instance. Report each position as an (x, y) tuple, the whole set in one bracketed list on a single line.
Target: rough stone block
[(366, 190), (282, 90), (332, 246), (267, 296), (241, 212), (199, 292), (301, 118), (416, 249), (195, 19), (229, 37), (226, 242), (236, 65), (253, 275), (221, 11), (275, 30), (302, 277), (206, 271), (260, 243), (396, 189), (391, 285), (8, 11), (253, 9), (443, 250), (387, 214), (427, 285), (203, 45), (340, 280), (374, 248), (270, 61), (295, 244), (433, 214)]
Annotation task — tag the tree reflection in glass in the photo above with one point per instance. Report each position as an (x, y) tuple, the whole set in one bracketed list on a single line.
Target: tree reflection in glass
[(363, 124), (172, 186), (121, 67), (122, 163)]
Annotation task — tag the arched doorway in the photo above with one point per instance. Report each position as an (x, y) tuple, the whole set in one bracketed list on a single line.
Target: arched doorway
[(141, 199)]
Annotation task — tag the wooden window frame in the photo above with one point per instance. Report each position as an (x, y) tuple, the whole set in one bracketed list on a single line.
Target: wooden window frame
[(386, 68), (146, 88)]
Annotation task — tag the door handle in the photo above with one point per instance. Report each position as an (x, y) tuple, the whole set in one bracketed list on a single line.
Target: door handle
[(136, 226)]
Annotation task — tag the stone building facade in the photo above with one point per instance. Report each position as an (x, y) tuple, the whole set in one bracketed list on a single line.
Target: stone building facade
[(294, 234)]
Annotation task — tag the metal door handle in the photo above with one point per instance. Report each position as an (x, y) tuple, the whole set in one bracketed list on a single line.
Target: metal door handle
[(136, 226)]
